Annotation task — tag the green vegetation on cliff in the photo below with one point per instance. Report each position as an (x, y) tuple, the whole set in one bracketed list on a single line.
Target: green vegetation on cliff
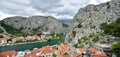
[(20, 32), (112, 29), (10, 29), (116, 49)]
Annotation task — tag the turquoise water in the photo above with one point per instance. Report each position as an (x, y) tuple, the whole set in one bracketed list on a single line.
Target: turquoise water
[(30, 46)]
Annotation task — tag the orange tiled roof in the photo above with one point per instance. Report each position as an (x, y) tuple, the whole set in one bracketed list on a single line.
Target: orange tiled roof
[(34, 51), (27, 55), (93, 49), (100, 55), (63, 48), (3, 38), (76, 55), (46, 49), (65, 55), (35, 36), (81, 49), (36, 56), (8, 53)]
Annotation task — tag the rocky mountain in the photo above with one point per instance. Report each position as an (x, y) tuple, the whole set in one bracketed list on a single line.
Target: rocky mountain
[(87, 21), (31, 24)]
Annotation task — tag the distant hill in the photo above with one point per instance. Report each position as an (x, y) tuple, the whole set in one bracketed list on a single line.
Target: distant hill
[(66, 21)]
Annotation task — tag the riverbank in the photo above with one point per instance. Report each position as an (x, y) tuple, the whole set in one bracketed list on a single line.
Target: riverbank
[(30, 46), (21, 43), (10, 44)]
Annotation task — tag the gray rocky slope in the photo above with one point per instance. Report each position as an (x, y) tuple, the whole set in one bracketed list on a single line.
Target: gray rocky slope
[(44, 23), (88, 19)]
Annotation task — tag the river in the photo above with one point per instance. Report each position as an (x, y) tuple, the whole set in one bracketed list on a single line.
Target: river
[(30, 46)]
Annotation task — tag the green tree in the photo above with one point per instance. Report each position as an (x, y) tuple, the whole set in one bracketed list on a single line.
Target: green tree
[(116, 49), (74, 33), (85, 37)]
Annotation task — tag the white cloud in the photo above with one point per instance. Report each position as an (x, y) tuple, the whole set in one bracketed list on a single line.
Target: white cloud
[(62, 16), (4, 15), (93, 2), (70, 7), (105, 1), (32, 11), (62, 9)]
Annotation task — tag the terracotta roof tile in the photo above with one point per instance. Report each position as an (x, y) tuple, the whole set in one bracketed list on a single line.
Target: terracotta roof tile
[(100, 55), (3, 38), (63, 48), (65, 55), (81, 50), (8, 53), (47, 49), (34, 51), (76, 55), (93, 49), (27, 55), (35, 36)]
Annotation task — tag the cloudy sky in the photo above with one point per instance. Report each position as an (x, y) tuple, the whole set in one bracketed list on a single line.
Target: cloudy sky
[(60, 9)]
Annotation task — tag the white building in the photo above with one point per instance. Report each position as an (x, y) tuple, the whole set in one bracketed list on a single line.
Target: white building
[(45, 35), (3, 40)]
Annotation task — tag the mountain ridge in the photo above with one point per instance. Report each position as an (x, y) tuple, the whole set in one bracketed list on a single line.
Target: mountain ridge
[(87, 21), (42, 23)]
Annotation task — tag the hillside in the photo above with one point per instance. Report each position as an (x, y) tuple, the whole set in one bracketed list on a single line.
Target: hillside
[(31, 25)]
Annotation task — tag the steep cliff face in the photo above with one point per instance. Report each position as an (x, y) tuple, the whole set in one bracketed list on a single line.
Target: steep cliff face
[(87, 21), (29, 24)]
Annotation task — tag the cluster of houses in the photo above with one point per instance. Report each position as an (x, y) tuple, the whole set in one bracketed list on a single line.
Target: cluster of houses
[(62, 50), (45, 35), (27, 38), (4, 39)]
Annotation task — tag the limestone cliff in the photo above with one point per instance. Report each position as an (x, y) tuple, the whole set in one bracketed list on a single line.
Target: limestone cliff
[(88, 19), (31, 24)]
